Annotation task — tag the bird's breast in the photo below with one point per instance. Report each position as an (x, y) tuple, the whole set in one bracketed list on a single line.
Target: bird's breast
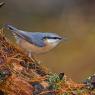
[(34, 48)]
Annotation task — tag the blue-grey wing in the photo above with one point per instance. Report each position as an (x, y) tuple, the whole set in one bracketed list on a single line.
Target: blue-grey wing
[(33, 38), (36, 39)]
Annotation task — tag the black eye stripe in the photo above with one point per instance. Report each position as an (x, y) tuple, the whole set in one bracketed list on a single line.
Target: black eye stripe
[(52, 38)]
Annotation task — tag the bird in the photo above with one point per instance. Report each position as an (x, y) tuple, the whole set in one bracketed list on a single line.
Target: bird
[(35, 42)]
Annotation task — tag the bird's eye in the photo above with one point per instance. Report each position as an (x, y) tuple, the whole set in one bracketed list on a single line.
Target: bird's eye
[(52, 38), (55, 37)]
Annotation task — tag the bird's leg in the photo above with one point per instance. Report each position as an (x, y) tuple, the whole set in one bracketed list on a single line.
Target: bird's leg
[(29, 54), (32, 56)]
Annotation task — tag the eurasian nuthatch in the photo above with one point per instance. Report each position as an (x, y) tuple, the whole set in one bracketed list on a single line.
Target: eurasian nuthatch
[(35, 42)]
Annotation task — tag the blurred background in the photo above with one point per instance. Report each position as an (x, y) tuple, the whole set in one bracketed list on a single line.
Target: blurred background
[(74, 19)]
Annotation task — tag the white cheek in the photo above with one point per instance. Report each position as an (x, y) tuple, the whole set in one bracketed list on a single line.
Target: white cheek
[(51, 40), (54, 42)]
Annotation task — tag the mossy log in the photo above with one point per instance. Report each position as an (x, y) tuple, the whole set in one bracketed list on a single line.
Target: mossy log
[(21, 75)]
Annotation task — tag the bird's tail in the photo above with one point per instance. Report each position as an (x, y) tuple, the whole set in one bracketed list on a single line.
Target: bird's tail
[(10, 27), (14, 30)]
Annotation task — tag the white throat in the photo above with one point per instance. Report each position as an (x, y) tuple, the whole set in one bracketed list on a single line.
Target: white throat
[(53, 42)]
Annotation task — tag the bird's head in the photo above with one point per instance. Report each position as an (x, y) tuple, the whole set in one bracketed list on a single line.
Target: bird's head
[(52, 39)]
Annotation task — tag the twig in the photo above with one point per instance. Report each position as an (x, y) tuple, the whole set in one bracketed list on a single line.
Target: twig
[(2, 3)]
